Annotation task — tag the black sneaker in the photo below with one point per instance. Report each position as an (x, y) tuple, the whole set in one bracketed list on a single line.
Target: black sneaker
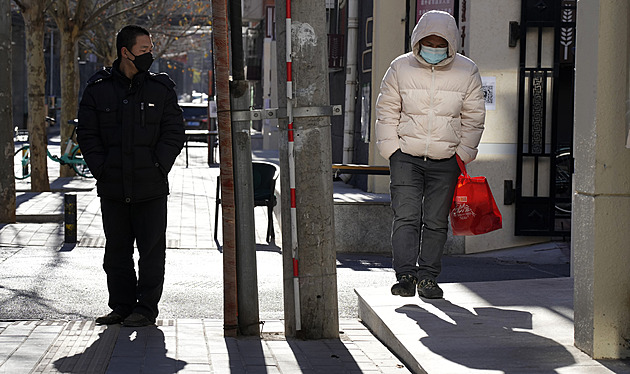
[(429, 288), (406, 285), (112, 318)]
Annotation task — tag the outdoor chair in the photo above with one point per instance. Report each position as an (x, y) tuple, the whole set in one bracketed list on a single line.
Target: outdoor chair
[(264, 177)]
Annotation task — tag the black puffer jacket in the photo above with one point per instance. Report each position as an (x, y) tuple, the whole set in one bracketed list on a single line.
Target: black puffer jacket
[(130, 133)]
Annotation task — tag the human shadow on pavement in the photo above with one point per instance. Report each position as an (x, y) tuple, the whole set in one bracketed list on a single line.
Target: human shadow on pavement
[(123, 350), (488, 339)]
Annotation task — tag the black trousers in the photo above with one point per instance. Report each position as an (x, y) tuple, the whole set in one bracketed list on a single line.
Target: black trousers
[(144, 223)]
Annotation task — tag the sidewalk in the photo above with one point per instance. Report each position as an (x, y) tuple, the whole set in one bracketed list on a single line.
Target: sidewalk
[(522, 326), (177, 345), (184, 346), (515, 326)]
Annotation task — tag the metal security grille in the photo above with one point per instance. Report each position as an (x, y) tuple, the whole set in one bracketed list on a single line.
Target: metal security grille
[(545, 118)]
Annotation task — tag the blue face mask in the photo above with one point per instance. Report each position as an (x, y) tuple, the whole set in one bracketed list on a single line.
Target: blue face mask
[(433, 55)]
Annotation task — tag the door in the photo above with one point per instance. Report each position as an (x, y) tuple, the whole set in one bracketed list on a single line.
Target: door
[(545, 118)]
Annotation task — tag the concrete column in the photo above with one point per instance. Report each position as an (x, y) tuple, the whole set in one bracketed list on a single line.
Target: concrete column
[(601, 203), (313, 176)]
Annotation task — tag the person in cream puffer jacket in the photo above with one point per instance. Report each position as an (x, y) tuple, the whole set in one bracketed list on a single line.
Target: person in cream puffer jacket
[(429, 109)]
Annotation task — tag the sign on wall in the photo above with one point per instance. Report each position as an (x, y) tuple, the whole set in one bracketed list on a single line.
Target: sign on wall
[(489, 88)]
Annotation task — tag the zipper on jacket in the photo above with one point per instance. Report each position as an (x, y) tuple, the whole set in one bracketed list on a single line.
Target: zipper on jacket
[(142, 112), (431, 114)]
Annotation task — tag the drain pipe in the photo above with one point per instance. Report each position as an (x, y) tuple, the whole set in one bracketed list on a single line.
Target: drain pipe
[(294, 240), (351, 85), (224, 117)]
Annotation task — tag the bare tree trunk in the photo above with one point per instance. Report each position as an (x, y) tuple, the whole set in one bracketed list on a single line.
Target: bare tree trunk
[(7, 180), (34, 25), (69, 83)]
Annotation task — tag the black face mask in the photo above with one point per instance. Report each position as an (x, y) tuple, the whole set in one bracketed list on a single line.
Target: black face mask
[(143, 62)]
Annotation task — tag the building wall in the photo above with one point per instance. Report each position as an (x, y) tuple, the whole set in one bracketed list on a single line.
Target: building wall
[(488, 47), (388, 43)]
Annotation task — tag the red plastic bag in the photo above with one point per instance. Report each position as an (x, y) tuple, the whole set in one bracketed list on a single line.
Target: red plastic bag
[(474, 210)]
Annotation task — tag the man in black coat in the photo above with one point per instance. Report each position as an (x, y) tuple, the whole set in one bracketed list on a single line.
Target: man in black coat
[(130, 132)]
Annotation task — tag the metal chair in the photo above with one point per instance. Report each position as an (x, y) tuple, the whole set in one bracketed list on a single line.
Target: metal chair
[(264, 175)]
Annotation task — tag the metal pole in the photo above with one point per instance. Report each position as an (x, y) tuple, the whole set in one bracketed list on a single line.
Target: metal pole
[(70, 217), (51, 74), (351, 83), (222, 61), (294, 241), (246, 272)]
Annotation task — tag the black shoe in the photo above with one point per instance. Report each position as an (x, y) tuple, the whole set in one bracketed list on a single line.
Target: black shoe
[(429, 288), (406, 285), (136, 320), (112, 318)]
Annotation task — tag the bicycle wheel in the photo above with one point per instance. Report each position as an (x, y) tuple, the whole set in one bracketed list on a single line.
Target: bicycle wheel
[(22, 163), (564, 166), (80, 167)]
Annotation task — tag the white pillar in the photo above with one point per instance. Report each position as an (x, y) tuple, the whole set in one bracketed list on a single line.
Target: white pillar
[(601, 204)]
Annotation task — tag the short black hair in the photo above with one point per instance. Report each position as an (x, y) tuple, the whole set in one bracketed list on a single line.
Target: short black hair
[(127, 37)]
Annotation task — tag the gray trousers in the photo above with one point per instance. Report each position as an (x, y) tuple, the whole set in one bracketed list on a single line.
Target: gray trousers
[(422, 192)]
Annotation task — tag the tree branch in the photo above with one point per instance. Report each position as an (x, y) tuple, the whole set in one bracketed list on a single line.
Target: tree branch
[(90, 22)]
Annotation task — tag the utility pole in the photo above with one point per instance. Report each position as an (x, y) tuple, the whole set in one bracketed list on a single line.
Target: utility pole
[(7, 181), (316, 252)]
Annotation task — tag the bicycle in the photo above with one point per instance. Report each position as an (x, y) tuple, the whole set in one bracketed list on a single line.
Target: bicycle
[(71, 156)]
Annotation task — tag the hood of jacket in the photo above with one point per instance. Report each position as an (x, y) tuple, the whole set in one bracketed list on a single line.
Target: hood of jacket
[(438, 23)]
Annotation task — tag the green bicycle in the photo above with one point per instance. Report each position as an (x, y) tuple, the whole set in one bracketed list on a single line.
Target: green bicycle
[(71, 156)]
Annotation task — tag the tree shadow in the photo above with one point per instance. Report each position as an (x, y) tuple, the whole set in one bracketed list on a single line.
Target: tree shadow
[(488, 339), (324, 355), (258, 355), (245, 354), (123, 350)]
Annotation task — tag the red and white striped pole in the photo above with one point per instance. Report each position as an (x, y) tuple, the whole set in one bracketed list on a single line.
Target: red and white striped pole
[(294, 241)]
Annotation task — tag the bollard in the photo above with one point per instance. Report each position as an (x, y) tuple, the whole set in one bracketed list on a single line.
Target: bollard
[(70, 218)]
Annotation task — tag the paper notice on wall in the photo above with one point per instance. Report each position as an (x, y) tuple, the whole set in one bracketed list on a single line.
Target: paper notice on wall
[(489, 88)]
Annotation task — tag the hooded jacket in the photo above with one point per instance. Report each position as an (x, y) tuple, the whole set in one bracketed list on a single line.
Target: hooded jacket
[(130, 133), (431, 111)]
